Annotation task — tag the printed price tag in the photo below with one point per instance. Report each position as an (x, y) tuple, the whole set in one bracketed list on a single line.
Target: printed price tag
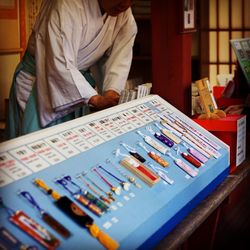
[(148, 111), (47, 152), (107, 225), (132, 119), (126, 198), (114, 220), (141, 115), (29, 158), (89, 135), (12, 168), (100, 130), (124, 125), (62, 146), (158, 105), (110, 125), (76, 140)]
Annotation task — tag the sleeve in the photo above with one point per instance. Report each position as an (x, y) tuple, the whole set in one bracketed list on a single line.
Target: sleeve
[(66, 85), (115, 68)]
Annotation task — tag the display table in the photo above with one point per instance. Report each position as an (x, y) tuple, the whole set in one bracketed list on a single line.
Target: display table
[(137, 217), (198, 216)]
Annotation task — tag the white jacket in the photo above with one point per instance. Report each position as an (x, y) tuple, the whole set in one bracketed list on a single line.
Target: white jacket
[(69, 36)]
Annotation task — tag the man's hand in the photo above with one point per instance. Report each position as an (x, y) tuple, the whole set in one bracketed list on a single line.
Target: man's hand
[(111, 94), (101, 102)]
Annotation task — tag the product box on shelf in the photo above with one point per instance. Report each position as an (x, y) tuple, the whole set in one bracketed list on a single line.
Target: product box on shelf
[(119, 178), (232, 131)]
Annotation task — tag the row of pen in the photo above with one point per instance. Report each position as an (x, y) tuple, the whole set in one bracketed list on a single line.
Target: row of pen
[(167, 141)]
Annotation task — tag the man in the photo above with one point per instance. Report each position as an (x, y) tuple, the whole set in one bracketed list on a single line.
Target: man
[(53, 83)]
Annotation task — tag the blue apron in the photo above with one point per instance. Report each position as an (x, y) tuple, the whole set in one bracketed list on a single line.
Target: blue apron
[(21, 124)]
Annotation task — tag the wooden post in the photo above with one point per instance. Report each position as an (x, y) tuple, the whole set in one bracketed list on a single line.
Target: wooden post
[(171, 55)]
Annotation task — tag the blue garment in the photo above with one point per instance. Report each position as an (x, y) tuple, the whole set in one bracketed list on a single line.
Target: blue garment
[(20, 124)]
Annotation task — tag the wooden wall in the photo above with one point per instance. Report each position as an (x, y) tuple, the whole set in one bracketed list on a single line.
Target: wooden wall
[(12, 44)]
